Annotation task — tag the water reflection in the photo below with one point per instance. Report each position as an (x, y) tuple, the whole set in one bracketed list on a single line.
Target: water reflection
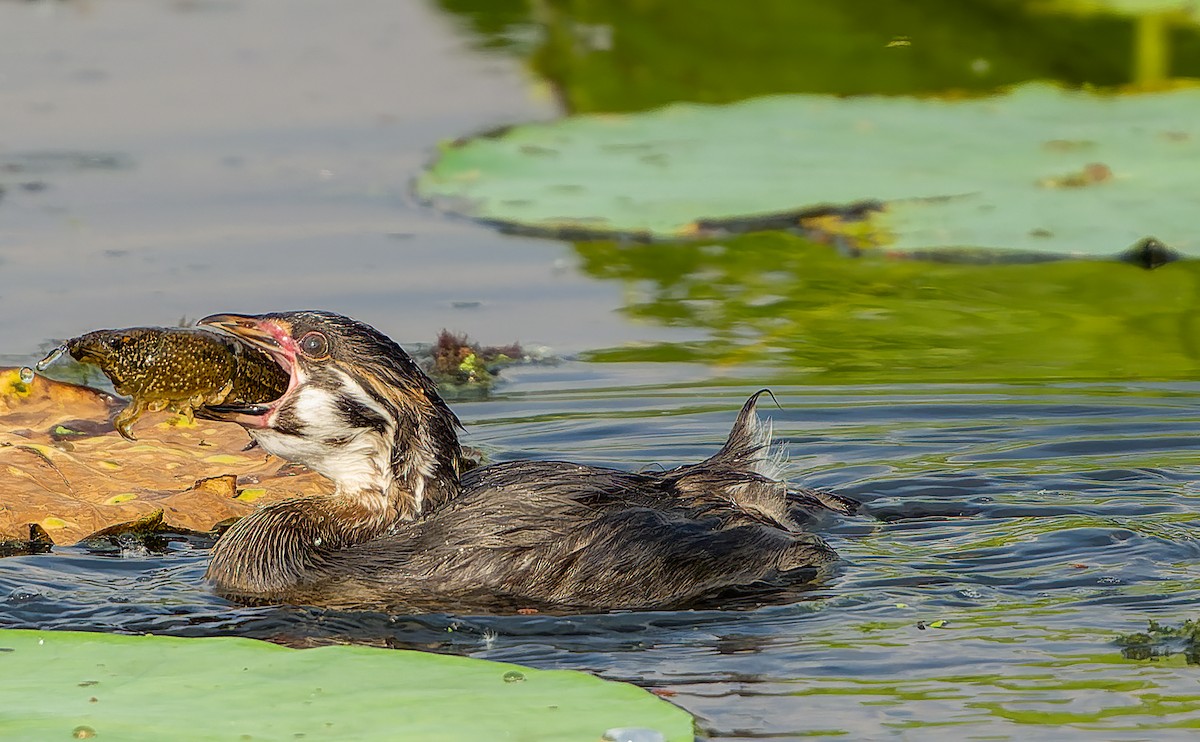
[(1023, 526), (779, 300), (979, 595), (625, 56)]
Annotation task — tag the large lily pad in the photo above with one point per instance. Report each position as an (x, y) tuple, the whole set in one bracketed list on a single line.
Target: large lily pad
[(60, 685), (1040, 170), (64, 468)]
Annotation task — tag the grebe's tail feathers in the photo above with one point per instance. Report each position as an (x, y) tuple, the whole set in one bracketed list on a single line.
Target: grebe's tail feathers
[(749, 444), (821, 499), (750, 447)]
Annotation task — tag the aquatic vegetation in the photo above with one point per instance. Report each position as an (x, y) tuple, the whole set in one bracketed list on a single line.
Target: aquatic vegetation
[(1160, 640), (61, 682), (1083, 174), (457, 362)]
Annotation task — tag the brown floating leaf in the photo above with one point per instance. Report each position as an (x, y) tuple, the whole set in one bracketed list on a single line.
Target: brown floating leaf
[(72, 485), (224, 485), (152, 523)]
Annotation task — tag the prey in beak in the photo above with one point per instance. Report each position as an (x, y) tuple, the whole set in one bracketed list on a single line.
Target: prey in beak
[(355, 408), (268, 335)]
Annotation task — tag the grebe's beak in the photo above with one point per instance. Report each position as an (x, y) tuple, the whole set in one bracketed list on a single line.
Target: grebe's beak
[(266, 335), (254, 330), (265, 332)]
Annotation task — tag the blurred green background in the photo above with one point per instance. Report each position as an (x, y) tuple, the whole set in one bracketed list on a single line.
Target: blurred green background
[(631, 55), (807, 311)]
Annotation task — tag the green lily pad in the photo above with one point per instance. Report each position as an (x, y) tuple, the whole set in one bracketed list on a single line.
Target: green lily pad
[(1038, 170), (59, 684)]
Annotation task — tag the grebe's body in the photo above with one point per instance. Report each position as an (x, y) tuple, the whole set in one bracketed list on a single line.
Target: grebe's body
[(406, 528)]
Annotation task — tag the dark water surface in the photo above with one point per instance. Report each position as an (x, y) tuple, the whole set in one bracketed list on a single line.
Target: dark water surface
[(170, 159), (1010, 533)]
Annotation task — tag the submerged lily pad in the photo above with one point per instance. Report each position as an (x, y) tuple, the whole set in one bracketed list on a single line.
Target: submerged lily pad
[(154, 688), (1039, 170)]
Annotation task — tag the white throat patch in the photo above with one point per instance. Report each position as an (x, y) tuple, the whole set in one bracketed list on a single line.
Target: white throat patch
[(356, 459)]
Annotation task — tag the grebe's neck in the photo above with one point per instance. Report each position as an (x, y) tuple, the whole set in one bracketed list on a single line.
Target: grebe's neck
[(424, 455), (392, 448), (384, 472), (272, 550)]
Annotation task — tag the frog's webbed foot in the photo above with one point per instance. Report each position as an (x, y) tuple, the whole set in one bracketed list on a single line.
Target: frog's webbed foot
[(125, 419), (216, 397)]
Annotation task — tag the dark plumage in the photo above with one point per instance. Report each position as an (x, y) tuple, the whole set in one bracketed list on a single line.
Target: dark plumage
[(405, 529)]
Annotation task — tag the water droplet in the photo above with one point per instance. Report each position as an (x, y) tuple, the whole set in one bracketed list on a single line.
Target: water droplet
[(26, 375), (513, 676), (51, 357), (83, 732), (633, 734), (22, 594)]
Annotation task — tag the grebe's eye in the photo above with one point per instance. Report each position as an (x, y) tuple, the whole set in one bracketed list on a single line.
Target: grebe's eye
[(314, 345)]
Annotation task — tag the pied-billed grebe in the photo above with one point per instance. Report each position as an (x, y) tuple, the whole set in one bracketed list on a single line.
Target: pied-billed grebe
[(408, 527)]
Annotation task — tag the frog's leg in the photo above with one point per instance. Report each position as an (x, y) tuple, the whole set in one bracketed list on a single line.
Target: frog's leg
[(187, 408), (127, 417), (182, 407), (218, 396)]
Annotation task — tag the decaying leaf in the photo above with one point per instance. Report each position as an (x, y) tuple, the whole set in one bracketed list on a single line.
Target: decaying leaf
[(74, 479)]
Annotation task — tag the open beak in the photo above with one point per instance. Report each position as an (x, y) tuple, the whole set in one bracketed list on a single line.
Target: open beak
[(261, 333), (243, 414), (254, 330)]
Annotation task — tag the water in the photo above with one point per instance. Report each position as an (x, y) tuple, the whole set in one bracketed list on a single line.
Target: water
[(1011, 530), (51, 357), (1009, 534), (632, 734)]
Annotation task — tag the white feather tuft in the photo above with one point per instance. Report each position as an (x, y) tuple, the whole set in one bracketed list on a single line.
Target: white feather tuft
[(770, 459)]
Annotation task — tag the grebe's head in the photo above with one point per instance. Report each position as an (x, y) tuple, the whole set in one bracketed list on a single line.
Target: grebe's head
[(357, 408)]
